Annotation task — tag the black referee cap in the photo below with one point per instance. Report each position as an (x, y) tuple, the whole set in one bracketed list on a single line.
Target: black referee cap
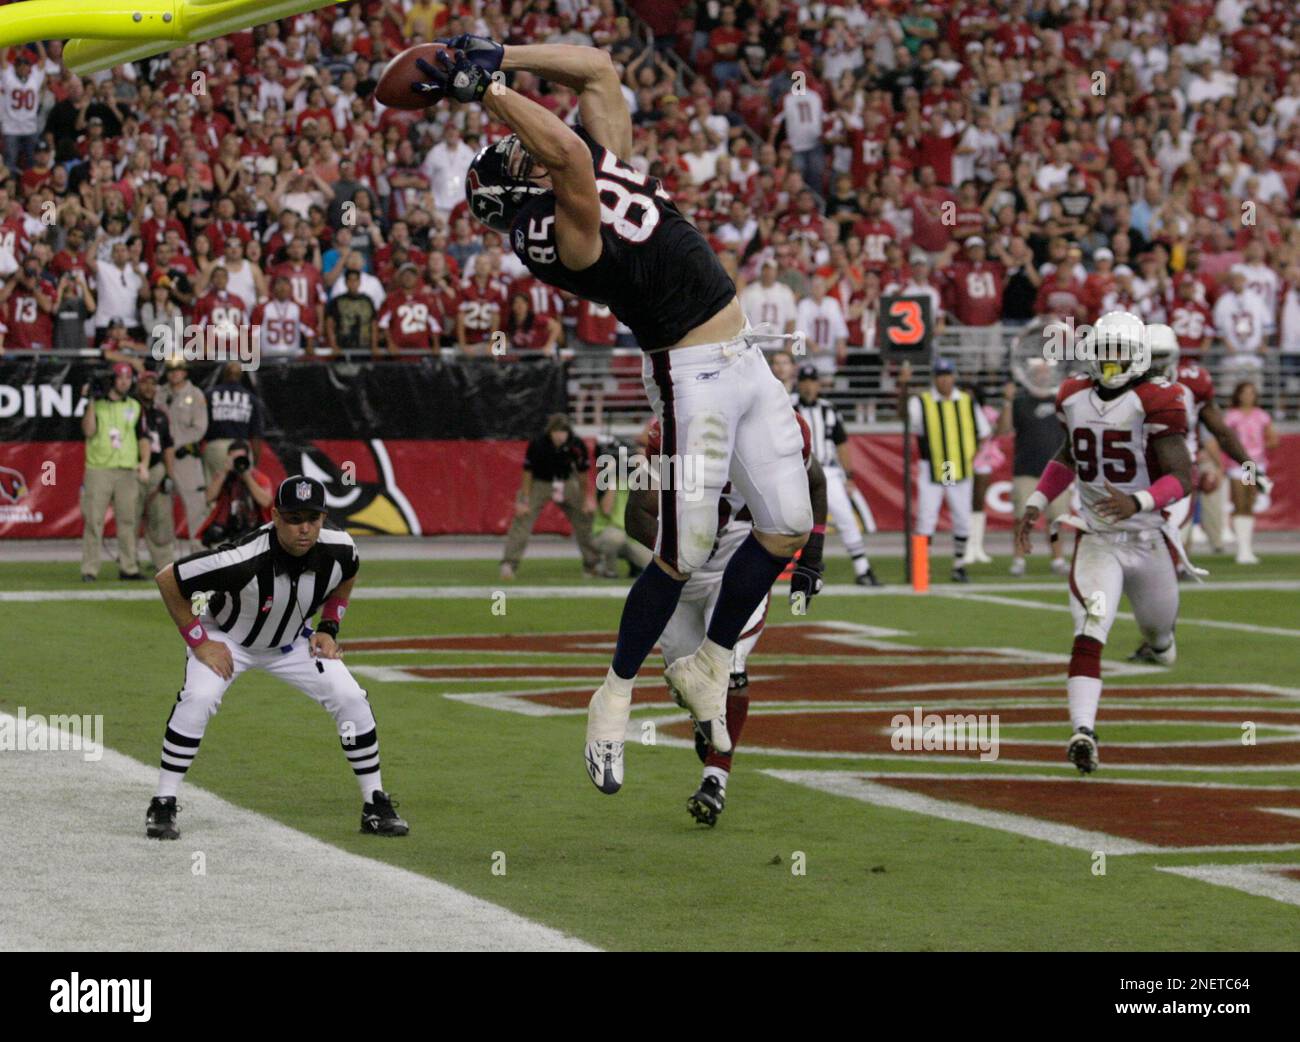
[(809, 372), (300, 493)]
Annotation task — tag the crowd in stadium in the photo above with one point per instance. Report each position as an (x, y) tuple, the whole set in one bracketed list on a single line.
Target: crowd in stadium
[(1010, 160)]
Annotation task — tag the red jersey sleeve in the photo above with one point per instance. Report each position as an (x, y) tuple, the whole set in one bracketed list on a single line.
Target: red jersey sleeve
[(1163, 405), (1197, 380)]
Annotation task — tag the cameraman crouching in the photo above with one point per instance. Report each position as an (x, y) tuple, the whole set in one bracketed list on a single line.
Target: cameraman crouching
[(240, 496)]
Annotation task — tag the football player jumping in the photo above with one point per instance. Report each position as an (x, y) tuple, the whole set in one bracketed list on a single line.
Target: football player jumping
[(694, 611), (1125, 446), (582, 218)]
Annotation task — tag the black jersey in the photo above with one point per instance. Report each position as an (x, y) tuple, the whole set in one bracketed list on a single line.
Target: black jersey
[(656, 271)]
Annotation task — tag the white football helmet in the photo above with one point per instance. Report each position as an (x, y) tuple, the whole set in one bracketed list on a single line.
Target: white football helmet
[(1162, 343), (1116, 350)]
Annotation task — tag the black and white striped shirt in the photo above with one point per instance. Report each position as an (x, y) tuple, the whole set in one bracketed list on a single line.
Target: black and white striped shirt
[(261, 595), (827, 430)]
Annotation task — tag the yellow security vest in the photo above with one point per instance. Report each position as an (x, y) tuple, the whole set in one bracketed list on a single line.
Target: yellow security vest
[(114, 443), (949, 434)]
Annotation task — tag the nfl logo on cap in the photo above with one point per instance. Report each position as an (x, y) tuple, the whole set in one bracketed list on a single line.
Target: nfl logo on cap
[(303, 490)]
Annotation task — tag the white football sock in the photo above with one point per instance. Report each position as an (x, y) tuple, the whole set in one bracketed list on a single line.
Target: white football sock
[(860, 565), (717, 772), (975, 541), (1244, 527), (1084, 695)]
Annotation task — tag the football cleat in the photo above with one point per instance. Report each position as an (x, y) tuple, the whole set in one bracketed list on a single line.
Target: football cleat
[(959, 575), (698, 687), (607, 716), (1082, 750), (380, 818), (708, 801), (868, 578), (1017, 566), (1060, 566), (160, 821), (1162, 657), (605, 765)]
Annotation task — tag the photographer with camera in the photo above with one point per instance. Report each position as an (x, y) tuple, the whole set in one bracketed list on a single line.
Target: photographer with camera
[(240, 496), (156, 491), (75, 304), (117, 460)]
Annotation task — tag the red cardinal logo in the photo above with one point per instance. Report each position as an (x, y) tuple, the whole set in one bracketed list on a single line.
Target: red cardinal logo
[(13, 486)]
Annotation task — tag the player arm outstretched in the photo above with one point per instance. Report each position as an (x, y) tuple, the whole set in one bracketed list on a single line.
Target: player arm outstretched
[(588, 71), (568, 161)]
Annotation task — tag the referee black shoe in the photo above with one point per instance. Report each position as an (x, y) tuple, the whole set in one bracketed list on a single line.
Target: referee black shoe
[(380, 818), (959, 575), (708, 801), (130, 576), (868, 578), (160, 821)]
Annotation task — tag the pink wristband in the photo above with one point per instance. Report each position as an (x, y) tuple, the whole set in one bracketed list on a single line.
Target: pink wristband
[(1165, 491), (194, 633), (1055, 480), (333, 610)]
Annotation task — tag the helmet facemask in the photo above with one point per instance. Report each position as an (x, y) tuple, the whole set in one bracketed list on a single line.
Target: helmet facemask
[(1118, 352), (499, 183)]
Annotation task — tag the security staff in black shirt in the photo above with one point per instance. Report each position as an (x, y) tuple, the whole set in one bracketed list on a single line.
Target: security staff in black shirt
[(555, 469)]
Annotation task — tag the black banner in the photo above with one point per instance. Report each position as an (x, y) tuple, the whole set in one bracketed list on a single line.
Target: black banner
[(432, 398)]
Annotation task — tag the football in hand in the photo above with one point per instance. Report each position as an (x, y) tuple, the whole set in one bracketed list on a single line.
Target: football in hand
[(395, 88)]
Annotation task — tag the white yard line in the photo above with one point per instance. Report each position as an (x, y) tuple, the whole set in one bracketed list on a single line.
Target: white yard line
[(79, 875), (857, 786), (1012, 602), (1260, 880)]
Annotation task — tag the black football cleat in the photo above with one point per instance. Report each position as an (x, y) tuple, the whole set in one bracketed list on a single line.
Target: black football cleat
[(130, 577), (380, 818), (708, 801), (160, 821), (959, 575), (1082, 750), (868, 578)]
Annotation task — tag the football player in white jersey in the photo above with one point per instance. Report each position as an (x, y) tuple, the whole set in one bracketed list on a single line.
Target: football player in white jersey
[(690, 620), (1125, 446)]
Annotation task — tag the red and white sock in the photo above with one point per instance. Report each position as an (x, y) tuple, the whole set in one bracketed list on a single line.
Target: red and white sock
[(719, 764), (1083, 688)]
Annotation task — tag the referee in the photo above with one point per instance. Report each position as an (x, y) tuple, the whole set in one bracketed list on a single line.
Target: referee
[(261, 593), (830, 447)]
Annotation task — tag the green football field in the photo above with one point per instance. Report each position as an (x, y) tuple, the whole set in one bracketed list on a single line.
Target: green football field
[(1188, 838)]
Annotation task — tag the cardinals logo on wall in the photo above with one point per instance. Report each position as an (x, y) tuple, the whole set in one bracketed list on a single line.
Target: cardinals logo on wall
[(13, 486), (361, 493)]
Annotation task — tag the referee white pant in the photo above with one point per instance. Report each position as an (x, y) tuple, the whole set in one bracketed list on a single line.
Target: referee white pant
[(844, 517), (328, 681), (930, 496)]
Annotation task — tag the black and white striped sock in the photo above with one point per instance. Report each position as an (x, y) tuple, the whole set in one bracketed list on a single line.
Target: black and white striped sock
[(363, 754), (178, 752)]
